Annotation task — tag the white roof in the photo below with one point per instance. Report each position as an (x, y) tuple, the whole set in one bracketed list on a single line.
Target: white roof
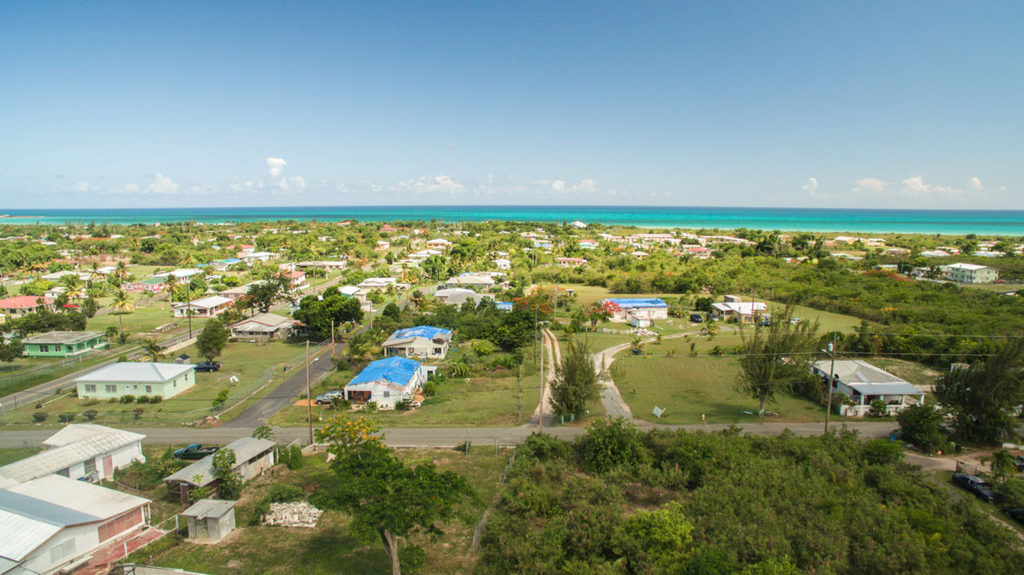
[(742, 308), (20, 536), (969, 267), (137, 372), (207, 302), (73, 444), (348, 290), (209, 508), (866, 378), (79, 496), (245, 449)]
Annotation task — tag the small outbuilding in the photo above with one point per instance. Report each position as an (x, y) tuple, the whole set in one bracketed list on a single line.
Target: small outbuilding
[(210, 519), (252, 457)]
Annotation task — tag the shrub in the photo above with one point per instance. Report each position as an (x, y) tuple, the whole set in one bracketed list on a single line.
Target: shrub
[(137, 412), (283, 493), (921, 425), (482, 347), (40, 416), (611, 444), (156, 399), (112, 400), (90, 402), (295, 459), (881, 452), (877, 408), (90, 414), (430, 388), (127, 398), (142, 399), (66, 417), (222, 396), (404, 405)]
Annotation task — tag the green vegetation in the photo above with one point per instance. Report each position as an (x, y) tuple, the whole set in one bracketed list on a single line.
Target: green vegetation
[(620, 501)]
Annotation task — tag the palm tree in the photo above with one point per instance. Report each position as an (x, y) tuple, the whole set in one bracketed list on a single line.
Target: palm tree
[(94, 272), (121, 273), (121, 305), (151, 349), (169, 286)]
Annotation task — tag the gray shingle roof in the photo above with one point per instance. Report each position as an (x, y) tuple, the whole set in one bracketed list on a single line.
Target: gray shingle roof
[(245, 449), (73, 444)]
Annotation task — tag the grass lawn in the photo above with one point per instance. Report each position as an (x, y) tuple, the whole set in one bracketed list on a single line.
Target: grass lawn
[(829, 321), (331, 547), (142, 320), (688, 387), (998, 288), (12, 454), (913, 372), (252, 364)]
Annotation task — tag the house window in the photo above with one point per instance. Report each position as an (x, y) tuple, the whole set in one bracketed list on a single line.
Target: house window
[(44, 348), (149, 389), (56, 347), (110, 388), (90, 466), (90, 388), (387, 393)]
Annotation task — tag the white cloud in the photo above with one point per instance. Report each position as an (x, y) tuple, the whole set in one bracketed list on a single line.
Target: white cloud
[(975, 184), (917, 188), (869, 186), (162, 185), (586, 185), (558, 186), (276, 165), (430, 185), (81, 187), (294, 183), (811, 187)]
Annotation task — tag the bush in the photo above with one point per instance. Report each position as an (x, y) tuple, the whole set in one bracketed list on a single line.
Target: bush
[(881, 452), (127, 398), (404, 405), (295, 459), (112, 400), (921, 425), (877, 408), (40, 416), (611, 444), (142, 399), (430, 388), (482, 347), (283, 493), (137, 412), (66, 417), (90, 414), (90, 402)]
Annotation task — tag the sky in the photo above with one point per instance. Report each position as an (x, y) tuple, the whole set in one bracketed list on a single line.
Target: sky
[(784, 104)]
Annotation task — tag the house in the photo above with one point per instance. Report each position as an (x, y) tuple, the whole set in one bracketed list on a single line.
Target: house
[(252, 457), (456, 296), (210, 306), (54, 524), (151, 285), (63, 343), (323, 264), (438, 244), (210, 519), (21, 305), (745, 311), (84, 452), (624, 309), (224, 264), (265, 325), (130, 378), (502, 263), (296, 279), (250, 257), (970, 273), (386, 382), (180, 274), (474, 280), (377, 283), (864, 383), (422, 341), (588, 244), (382, 246), (570, 262)]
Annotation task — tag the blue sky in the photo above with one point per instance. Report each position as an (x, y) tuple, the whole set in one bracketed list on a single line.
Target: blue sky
[(818, 104)]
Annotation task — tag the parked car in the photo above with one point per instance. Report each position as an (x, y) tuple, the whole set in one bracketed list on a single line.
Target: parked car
[(208, 366), (1015, 513), (1018, 462), (195, 451), (696, 318), (330, 397), (976, 485)]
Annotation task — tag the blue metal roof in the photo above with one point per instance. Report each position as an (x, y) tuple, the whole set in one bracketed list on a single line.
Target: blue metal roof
[(504, 305), (632, 302), (44, 511), (426, 331), (397, 370)]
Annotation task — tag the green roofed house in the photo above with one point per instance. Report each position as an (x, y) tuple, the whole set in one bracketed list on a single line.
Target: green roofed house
[(63, 343), (137, 378)]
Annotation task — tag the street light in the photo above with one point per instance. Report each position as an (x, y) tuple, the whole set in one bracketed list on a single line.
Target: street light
[(831, 377)]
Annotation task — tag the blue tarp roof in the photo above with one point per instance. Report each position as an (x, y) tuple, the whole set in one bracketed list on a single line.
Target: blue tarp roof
[(504, 305), (426, 331), (628, 302), (398, 370)]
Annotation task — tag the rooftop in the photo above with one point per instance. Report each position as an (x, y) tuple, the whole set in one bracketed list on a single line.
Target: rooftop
[(398, 370), (245, 449), (631, 302), (425, 331), (63, 337), (140, 372)]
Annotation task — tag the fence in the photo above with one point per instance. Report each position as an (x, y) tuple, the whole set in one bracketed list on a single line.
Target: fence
[(478, 531)]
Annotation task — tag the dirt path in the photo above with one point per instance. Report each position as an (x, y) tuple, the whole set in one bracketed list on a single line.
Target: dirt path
[(551, 359)]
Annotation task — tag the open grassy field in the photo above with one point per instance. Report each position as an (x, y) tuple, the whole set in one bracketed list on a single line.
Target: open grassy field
[(331, 547), (689, 387), (915, 373), (251, 364)]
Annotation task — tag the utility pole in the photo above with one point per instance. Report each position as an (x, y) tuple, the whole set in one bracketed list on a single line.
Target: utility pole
[(309, 398), (831, 375), (542, 386)]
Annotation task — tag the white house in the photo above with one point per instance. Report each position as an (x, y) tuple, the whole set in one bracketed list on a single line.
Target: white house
[(210, 306), (54, 524), (85, 452), (456, 296), (473, 280), (439, 244), (265, 325), (745, 311), (252, 457), (136, 378), (626, 309), (422, 341), (864, 383), (377, 283), (502, 263), (970, 273), (386, 382)]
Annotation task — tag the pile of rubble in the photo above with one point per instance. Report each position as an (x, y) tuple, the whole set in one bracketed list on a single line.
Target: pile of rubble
[(297, 514)]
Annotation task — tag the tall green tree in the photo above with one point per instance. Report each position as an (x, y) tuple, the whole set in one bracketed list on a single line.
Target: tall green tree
[(386, 498), (575, 381), (229, 481), (212, 339), (317, 312), (121, 305), (981, 396), (774, 356), (263, 294)]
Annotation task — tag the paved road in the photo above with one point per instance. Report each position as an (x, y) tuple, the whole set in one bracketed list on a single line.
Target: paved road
[(432, 437), (284, 394)]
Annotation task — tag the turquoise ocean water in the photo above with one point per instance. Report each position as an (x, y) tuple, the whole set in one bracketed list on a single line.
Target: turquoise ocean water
[(986, 222)]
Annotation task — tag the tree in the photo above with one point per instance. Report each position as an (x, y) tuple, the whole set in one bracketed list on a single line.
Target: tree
[(774, 356), (597, 312), (980, 397), (10, 351), (151, 349), (1002, 465), (263, 432), (317, 312), (212, 339), (575, 380), (434, 267), (263, 294), (121, 305), (386, 498), (921, 425), (229, 484)]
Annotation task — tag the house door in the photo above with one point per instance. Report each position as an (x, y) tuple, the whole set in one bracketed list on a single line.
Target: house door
[(108, 465)]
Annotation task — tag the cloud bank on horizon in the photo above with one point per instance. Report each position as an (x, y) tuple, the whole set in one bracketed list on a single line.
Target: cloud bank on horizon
[(671, 104)]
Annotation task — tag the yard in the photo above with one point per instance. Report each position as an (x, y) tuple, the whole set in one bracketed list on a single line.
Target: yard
[(252, 364), (12, 454), (688, 388), (330, 547)]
